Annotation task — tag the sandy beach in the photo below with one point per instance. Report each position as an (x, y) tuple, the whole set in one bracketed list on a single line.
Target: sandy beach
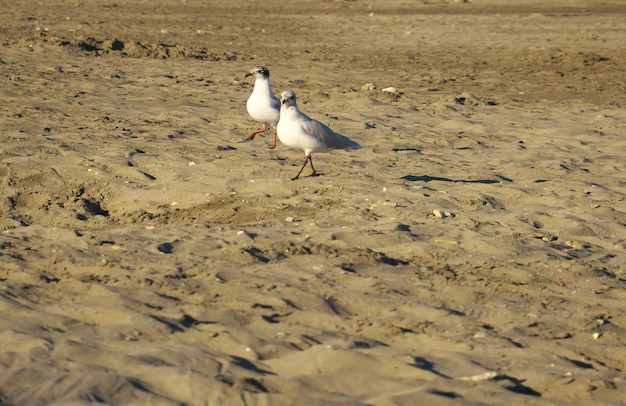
[(473, 252)]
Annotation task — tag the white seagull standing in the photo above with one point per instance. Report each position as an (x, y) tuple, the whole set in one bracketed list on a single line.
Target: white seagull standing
[(262, 105), (297, 130)]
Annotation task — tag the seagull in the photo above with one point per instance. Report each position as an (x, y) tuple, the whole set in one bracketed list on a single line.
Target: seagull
[(262, 105), (297, 130)]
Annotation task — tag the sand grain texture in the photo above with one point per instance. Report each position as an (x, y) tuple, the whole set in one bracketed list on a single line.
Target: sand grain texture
[(471, 253)]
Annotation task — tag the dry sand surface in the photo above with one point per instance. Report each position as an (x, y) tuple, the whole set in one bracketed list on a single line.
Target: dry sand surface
[(471, 253)]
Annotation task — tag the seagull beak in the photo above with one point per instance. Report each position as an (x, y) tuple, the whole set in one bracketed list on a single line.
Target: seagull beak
[(248, 74), (283, 101)]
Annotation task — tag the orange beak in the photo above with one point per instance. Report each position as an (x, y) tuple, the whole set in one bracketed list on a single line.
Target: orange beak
[(248, 74)]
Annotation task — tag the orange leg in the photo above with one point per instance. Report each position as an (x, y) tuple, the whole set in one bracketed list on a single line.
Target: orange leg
[(251, 136), (273, 146)]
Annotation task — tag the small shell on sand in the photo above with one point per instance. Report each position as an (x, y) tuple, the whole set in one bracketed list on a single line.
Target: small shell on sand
[(440, 214), (489, 375), (368, 86), (390, 89)]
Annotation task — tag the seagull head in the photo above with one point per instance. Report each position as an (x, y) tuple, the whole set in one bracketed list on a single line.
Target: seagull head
[(259, 72), (288, 97)]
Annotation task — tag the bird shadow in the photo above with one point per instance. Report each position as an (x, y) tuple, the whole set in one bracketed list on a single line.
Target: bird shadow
[(426, 178)]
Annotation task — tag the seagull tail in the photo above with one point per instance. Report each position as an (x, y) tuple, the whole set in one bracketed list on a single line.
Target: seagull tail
[(343, 142), (351, 144)]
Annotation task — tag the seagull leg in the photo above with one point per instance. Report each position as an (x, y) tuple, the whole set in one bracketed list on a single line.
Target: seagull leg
[(273, 146), (306, 160), (251, 136), (314, 171)]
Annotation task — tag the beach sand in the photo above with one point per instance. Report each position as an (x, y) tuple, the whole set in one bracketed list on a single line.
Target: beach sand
[(472, 252)]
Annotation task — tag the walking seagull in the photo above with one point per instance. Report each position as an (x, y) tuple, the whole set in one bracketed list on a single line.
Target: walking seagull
[(297, 130), (262, 105)]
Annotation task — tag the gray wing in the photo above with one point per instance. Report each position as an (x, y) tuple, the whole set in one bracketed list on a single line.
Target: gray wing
[(326, 136), (275, 102)]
